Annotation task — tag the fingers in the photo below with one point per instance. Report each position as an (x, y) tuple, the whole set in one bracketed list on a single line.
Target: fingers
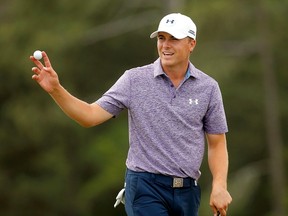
[(215, 211), (36, 70), (39, 64), (218, 212), (219, 201), (35, 77), (46, 60), (40, 67), (221, 212)]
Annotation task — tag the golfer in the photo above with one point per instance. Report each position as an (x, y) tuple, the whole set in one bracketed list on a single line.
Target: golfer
[(173, 108)]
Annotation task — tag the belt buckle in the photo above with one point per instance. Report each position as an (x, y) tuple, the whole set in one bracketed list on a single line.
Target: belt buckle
[(177, 182)]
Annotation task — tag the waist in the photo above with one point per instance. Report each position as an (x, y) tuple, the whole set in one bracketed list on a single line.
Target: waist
[(174, 182)]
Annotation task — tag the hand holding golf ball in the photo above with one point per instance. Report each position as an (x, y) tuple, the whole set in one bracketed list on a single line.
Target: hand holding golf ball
[(37, 55), (44, 74)]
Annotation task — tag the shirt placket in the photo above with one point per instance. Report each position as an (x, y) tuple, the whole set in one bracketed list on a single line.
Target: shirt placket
[(173, 93)]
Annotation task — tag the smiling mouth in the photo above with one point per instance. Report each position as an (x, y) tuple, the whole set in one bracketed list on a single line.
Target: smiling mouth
[(168, 54)]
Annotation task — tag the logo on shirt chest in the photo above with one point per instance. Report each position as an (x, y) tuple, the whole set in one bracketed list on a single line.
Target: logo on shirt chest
[(193, 101)]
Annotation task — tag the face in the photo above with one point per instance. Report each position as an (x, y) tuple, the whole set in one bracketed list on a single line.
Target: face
[(174, 52)]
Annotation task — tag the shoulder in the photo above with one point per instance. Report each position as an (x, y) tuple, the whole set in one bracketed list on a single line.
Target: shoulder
[(140, 72)]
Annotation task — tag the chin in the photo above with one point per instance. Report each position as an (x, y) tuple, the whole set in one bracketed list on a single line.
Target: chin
[(167, 63)]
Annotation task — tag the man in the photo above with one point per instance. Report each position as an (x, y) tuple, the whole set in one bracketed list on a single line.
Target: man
[(172, 107)]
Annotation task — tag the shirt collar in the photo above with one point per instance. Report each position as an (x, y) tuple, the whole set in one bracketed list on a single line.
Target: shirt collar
[(158, 71)]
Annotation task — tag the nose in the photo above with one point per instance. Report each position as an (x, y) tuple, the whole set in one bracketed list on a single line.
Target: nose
[(166, 43)]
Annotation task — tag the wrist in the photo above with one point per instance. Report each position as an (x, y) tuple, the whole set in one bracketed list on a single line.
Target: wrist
[(219, 183)]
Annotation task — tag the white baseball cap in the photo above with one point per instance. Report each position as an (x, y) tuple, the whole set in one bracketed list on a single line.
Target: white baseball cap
[(178, 25)]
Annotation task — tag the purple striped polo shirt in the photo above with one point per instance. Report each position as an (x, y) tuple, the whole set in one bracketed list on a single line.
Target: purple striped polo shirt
[(167, 125)]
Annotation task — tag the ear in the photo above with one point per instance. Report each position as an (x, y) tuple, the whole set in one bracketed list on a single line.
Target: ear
[(192, 44)]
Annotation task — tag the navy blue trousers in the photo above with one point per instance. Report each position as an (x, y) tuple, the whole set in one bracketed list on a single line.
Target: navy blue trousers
[(148, 194)]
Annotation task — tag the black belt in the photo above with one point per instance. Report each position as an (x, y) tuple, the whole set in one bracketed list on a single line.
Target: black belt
[(174, 182)]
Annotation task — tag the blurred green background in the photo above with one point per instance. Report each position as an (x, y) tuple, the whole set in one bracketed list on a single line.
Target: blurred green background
[(49, 165)]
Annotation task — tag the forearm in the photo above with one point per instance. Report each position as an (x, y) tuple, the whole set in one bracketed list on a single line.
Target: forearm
[(218, 163), (83, 113)]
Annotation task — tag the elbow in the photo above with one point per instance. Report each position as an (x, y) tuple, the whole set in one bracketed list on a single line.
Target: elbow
[(88, 124), (85, 124), (93, 117)]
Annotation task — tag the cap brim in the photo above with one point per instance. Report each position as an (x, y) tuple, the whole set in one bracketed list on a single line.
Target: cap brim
[(178, 36), (154, 34)]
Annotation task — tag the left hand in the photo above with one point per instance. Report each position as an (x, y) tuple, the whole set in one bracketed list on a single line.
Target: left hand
[(219, 200)]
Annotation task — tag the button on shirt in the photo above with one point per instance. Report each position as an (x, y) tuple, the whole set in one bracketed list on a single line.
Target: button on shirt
[(167, 125)]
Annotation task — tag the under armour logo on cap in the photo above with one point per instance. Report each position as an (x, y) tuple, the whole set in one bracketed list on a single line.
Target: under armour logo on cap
[(171, 21), (177, 25)]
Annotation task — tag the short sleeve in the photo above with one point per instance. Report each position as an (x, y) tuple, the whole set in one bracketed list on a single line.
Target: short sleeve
[(117, 97), (215, 118)]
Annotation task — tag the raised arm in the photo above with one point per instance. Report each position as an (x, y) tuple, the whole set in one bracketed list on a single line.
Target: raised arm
[(218, 164), (85, 114)]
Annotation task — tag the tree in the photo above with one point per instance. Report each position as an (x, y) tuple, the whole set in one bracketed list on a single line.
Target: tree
[(272, 116)]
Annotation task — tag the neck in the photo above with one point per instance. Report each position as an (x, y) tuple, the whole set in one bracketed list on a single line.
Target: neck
[(176, 74)]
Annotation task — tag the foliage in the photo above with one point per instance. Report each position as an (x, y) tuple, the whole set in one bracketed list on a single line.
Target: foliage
[(51, 166)]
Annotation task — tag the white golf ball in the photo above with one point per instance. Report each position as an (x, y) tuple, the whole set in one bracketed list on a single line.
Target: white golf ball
[(37, 54)]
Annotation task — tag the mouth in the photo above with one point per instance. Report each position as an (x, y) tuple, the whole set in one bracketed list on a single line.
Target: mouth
[(167, 53)]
